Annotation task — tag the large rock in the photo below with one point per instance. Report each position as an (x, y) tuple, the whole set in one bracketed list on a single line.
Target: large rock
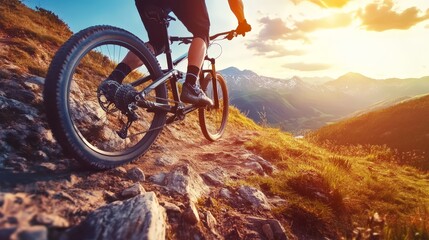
[(271, 228), (255, 197), (186, 181), (191, 214), (50, 220), (255, 167), (136, 174), (133, 191), (266, 165), (140, 217), (215, 177), (158, 178), (166, 161), (32, 233)]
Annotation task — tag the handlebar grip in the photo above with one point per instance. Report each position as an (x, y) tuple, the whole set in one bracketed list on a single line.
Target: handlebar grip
[(231, 35)]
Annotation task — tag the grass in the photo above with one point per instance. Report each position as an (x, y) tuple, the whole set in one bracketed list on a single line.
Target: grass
[(237, 120), (342, 187), (403, 128), (32, 35)]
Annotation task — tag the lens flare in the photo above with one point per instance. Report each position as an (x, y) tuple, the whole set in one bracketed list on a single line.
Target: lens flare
[(327, 3)]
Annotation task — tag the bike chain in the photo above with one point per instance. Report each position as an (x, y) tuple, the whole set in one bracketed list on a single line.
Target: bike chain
[(150, 130)]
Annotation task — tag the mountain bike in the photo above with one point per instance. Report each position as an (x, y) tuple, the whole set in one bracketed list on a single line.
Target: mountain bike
[(104, 124)]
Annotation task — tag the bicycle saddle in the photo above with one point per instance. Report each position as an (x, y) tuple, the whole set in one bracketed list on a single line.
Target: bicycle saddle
[(158, 14)]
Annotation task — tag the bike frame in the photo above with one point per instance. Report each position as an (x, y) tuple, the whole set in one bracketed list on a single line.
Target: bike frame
[(172, 75)]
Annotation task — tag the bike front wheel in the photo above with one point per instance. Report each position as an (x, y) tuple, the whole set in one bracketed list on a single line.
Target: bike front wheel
[(213, 119), (83, 119)]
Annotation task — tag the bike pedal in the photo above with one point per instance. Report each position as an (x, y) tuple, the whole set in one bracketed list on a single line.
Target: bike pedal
[(170, 120), (174, 118)]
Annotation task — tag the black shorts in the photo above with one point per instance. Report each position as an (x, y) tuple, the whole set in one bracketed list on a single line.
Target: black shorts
[(192, 13)]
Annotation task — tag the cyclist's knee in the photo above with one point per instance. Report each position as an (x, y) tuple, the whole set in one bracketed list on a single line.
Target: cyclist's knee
[(204, 35), (201, 40)]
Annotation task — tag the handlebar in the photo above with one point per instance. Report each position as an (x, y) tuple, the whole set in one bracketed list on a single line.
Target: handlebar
[(186, 40)]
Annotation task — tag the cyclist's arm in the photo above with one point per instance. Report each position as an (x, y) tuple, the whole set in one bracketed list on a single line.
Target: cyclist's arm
[(237, 8)]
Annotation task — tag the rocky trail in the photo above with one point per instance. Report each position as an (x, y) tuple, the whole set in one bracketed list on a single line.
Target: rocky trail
[(185, 187)]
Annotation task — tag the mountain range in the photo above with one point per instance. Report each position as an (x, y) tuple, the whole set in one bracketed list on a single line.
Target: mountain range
[(296, 105)]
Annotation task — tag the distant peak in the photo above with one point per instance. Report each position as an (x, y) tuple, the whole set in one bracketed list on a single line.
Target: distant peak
[(248, 72), (236, 71), (231, 69), (354, 75), (296, 78)]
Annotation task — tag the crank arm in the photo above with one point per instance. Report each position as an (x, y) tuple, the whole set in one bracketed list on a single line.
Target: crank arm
[(154, 106)]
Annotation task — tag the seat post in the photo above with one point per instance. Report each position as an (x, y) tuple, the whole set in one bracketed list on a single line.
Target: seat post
[(167, 44)]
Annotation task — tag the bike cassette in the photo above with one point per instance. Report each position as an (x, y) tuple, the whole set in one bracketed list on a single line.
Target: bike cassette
[(124, 97), (106, 95)]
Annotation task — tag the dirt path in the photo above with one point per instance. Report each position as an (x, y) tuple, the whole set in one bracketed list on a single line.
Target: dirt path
[(190, 147), (64, 190)]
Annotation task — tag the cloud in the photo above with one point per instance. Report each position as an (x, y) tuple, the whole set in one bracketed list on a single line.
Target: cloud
[(382, 16), (272, 50), (326, 3), (307, 67), (333, 21), (273, 32), (275, 29)]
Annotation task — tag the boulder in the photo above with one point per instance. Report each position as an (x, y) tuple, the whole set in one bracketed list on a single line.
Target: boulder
[(191, 214), (158, 178), (225, 193), (186, 181), (271, 228), (50, 220), (166, 161), (215, 177), (211, 222), (136, 174), (134, 190), (140, 217), (255, 197), (266, 165), (31, 233), (255, 167)]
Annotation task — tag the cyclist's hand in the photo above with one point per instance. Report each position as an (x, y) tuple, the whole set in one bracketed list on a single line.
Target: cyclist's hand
[(243, 27)]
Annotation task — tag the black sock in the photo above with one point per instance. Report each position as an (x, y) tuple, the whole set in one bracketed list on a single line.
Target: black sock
[(120, 72), (192, 74)]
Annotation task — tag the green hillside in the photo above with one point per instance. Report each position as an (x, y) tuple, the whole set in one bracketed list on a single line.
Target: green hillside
[(29, 37), (403, 127)]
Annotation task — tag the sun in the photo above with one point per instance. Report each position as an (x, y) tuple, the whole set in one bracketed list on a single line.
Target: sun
[(330, 3)]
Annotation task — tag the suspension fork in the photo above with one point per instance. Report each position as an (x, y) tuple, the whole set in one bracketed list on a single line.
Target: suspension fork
[(214, 82)]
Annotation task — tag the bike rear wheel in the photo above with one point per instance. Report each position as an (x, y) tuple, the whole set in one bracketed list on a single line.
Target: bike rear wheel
[(83, 120), (213, 119)]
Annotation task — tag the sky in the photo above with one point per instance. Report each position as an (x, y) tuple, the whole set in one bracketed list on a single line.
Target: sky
[(306, 38)]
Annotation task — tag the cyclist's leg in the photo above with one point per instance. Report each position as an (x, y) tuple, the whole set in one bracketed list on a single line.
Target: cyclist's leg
[(148, 10), (193, 14)]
